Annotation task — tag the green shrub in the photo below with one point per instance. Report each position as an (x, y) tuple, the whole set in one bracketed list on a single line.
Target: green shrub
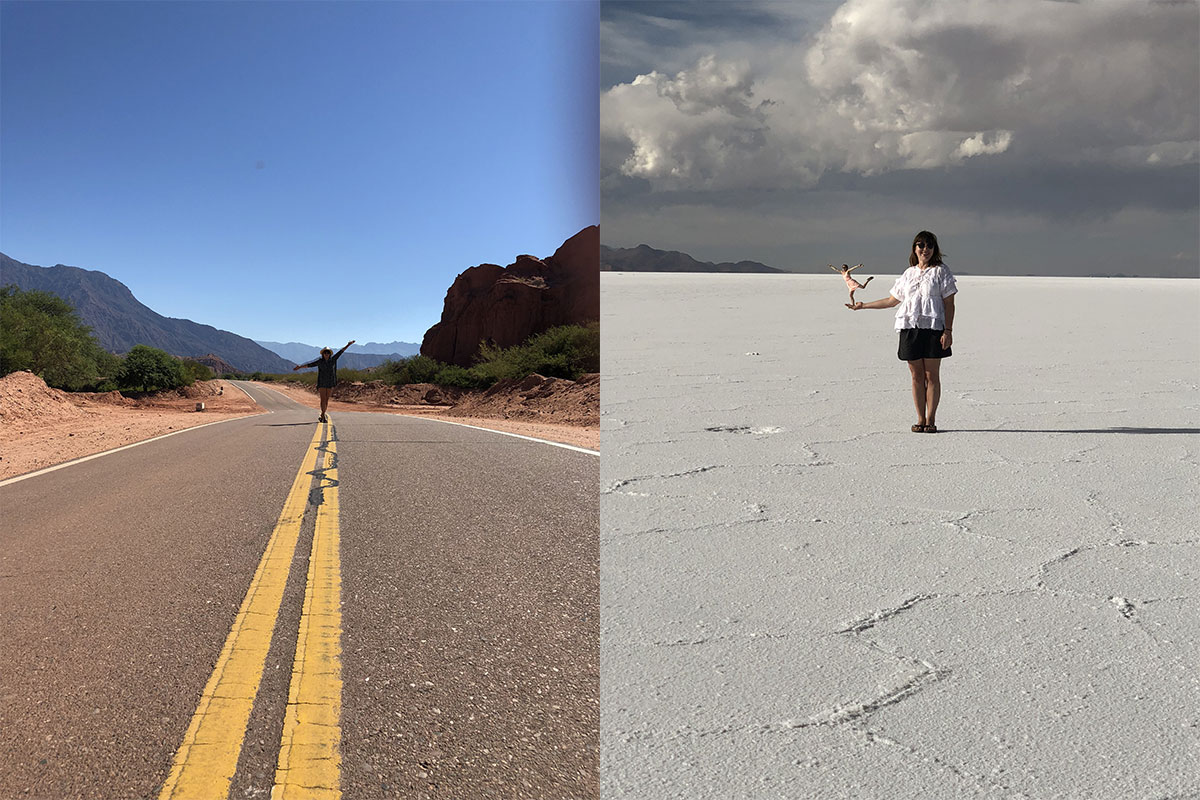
[(420, 369), (415, 369), (564, 352), (195, 371), (40, 332), (148, 369), (459, 378), (567, 352), (352, 375)]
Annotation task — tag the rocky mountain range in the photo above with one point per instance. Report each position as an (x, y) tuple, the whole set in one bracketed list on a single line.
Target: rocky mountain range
[(119, 321), (645, 258), (507, 305), (359, 356)]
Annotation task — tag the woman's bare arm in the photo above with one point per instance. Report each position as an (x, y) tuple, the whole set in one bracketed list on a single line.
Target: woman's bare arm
[(948, 303), (887, 302)]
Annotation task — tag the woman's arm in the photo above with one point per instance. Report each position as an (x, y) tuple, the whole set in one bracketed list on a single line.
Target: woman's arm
[(948, 302), (887, 302), (305, 366), (339, 352)]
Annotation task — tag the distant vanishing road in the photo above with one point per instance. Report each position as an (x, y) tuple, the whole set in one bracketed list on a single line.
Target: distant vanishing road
[(383, 606)]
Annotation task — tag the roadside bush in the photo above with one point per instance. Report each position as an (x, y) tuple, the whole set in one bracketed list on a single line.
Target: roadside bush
[(415, 369), (567, 352), (420, 369), (148, 369), (40, 332), (195, 371), (458, 378)]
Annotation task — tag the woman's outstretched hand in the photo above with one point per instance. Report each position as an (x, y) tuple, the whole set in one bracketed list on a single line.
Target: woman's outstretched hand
[(854, 306)]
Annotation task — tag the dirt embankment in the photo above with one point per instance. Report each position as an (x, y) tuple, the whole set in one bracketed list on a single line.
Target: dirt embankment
[(41, 427)]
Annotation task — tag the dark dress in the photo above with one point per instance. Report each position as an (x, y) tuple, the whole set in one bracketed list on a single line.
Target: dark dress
[(326, 370)]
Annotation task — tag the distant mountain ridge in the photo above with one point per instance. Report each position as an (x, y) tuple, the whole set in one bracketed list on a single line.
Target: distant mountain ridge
[(120, 321), (359, 356), (645, 258)]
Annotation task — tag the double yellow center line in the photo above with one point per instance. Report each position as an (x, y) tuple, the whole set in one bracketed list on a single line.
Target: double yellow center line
[(309, 758)]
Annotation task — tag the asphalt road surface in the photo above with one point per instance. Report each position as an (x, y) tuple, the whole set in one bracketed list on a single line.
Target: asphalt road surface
[(385, 606)]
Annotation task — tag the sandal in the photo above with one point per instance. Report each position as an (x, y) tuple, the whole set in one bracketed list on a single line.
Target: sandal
[(930, 429), (918, 428)]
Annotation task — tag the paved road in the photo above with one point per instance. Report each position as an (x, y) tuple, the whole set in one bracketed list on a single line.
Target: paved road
[(467, 663)]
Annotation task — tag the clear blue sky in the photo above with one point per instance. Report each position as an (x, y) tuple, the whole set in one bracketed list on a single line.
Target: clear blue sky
[(308, 171)]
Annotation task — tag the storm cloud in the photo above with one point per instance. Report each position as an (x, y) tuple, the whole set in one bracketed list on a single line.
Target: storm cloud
[(1052, 109), (920, 84)]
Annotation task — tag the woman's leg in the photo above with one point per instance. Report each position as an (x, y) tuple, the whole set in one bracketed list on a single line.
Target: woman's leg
[(933, 386), (324, 392), (917, 368)]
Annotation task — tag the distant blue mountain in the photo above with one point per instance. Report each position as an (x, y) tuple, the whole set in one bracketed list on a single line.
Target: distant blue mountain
[(390, 348), (119, 321), (645, 258), (359, 356)]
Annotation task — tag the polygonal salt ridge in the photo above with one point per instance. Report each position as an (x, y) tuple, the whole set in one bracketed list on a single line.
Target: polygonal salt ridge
[(709, 526), (887, 696), (616, 486), (1092, 501), (1124, 606), (962, 523), (1127, 606), (875, 617), (755, 430), (924, 674)]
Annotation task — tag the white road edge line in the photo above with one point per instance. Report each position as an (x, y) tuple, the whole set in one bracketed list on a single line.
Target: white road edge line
[(504, 433), (243, 390), (66, 464)]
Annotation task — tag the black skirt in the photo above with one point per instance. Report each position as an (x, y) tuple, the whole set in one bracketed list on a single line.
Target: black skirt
[(918, 343)]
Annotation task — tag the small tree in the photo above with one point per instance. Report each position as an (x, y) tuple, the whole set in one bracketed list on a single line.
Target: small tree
[(42, 333), (148, 369), (195, 371)]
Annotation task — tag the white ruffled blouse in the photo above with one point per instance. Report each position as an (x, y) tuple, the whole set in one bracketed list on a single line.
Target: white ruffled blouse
[(921, 294)]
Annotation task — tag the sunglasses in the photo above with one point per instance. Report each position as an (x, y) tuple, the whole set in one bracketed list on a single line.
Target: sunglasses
[(922, 246)]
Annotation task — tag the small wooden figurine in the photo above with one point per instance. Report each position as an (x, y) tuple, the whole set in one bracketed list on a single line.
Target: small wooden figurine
[(851, 284)]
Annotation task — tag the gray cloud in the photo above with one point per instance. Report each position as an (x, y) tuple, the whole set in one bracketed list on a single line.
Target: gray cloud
[(914, 84), (774, 131)]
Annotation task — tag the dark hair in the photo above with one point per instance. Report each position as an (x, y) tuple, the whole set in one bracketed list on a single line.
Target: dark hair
[(927, 238)]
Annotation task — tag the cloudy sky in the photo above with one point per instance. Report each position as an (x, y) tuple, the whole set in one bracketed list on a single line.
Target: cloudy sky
[(1032, 136)]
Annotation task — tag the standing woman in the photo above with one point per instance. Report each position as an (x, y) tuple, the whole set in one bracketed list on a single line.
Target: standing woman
[(326, 375), (925, 294)]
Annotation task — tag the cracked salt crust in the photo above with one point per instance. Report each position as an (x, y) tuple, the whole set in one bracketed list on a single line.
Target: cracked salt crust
[(841, 608)]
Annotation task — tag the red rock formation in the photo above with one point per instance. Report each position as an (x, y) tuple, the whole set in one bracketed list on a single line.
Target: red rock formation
[(218, 365), (509, 304)]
